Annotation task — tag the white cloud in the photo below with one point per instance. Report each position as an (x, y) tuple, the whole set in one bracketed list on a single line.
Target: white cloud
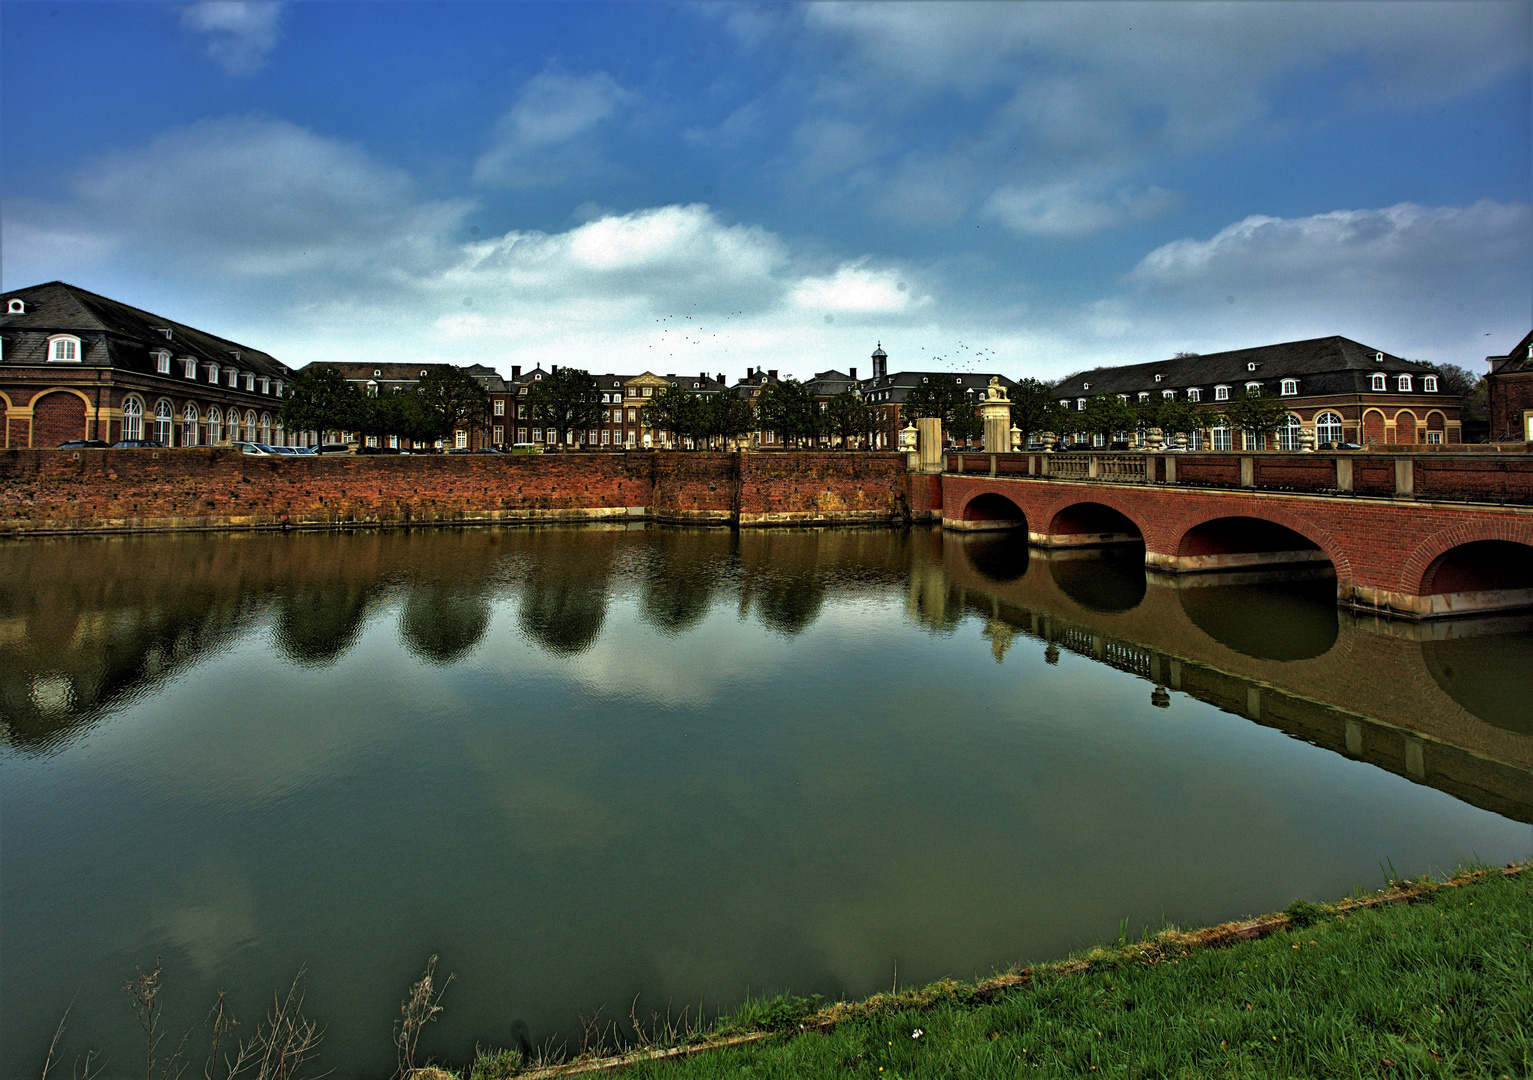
[(541, 138), (854, 288), (1066, 211), (239, 33)]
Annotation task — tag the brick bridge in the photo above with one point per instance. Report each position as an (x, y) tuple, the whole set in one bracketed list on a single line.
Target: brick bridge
[(1417, 536)]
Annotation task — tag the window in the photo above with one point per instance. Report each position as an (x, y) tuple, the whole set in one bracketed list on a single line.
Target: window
[(1221, 393), (1123, 398), (250, 427), (1251, 366), (234, 378), (1064, 403), (649, 391), (500, 406), (189, 367), (377, 372), (497, 434), (372, 440), (537, 434), (162, 362), (1085, 386), (1429, 384), (266, 427), (1144, 395), (1221, 436), (278, 388), (133, 419), (1194, 394), (606, 437), (1289, 386), (162, 422), (189, 425), (65, 349), (215, 425), (16, 307), (1379, 382), (1434, 437), (521, 434), (1195, 439), (1168, 395), (1404, 383), (213, 373), (250, 381), (265, 385), (633, 415), (1159, 377), (1253, 389), (1288, 433), (460, 439), (1328, 427), (1080, 403), (592, 439)]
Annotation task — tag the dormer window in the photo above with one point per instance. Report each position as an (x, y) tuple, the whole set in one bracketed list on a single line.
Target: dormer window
[(377, 372), (1403, 383), (278, 388), (1290, 386), (1085, 386), (189, 367), (234, 378), (1080, 403), (166, 331), (213, 374), (16, 307), (1144, 395), (1221, 393), (265, 385), (372, 388), (1194, 394), (1251, 366), (1123, 398), (162, 362), (1159, 377), (423, 373), (250, 381), (1379, 382), (1168, 395), (64, 348), (1429, 384), (1064, 403), (1253, 389)]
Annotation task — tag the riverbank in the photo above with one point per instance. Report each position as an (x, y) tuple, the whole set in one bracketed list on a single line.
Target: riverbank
[(1425, 978)]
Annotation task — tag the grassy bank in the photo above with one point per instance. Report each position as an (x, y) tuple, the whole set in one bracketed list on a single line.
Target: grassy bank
[(1425, 979)]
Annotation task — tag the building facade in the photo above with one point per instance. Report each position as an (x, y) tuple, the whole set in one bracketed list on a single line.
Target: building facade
[(76, 365), (886, 393), (374, 379), (1335, 388), (1511, 393)]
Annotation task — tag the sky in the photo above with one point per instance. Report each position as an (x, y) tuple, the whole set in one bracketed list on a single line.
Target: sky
[(1029, 189)]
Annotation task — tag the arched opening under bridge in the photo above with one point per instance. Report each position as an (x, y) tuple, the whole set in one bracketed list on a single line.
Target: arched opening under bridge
[(1480, 576), (1241, 543), (1091, 525), (989, 511)]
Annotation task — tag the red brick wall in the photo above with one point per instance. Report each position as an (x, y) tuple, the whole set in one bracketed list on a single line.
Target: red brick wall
[(1509, 396), (218, 488), (57, 417)]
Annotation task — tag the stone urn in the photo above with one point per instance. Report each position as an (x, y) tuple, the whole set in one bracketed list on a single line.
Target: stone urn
[(1016, 439), (1181, 442), (1306, 441), (1050, 439), (1154, 440)]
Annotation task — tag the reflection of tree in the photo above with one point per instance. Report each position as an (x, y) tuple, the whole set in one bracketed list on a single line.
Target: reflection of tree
[(441, 623), (317, 624), (564, 591), (684, 569)]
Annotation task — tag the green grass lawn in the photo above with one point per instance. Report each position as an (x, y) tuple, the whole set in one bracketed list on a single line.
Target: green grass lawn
[(1439, 986)]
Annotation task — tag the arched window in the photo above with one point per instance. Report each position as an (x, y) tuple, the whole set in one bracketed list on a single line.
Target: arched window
[(250, 425), (1429, 384), (266, 427), (1404, 383), (1221, 393), (1328, 427), (189, 419), (1195, 439), (1288, 433), (162, 423), (64, 348), (215, 425), (1221, 437), (1195, 394), (280, 435), (133, 419), (1289, 386), (1379, 381)]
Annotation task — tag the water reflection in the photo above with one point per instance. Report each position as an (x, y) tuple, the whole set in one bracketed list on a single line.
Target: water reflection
[(1483, 666), (997, 556), (1105, 580), (442, 622), (1272, 616)]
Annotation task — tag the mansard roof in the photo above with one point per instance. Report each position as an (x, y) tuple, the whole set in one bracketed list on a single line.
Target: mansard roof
[(1516, 362), (897, 385), (114, 334), (1322, 365)]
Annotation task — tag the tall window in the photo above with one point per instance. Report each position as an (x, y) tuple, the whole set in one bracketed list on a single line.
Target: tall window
[(162, 423), (1253, 389), (460, 439), (498, 434), (234, 378), (266, 427), (1290, 386), (1169, 395), (215, 425), (162, 363), (1429, 384), (189, 367), (1288, 434), (1379, 382), (1221, 435), (213, 374), (189, 425), (132, 419), (1195, 439), (500, 406), (1404, 383), (1194, 394), (1328, 427)]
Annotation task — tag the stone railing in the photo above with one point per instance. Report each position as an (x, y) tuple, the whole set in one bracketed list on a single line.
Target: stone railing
[(1465, 476)]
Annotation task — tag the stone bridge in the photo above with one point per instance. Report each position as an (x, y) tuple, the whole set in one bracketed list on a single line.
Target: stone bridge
[(1406, 544)]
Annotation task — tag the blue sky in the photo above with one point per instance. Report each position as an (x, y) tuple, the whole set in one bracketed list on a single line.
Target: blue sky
[(1029, 188)]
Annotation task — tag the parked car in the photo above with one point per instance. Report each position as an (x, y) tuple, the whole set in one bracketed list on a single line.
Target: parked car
[(526, 448), (304, 451), (489, 450), (379, 450), (280, 451), (138, 444), (252, 449), (1333, 445), (456, 450), (334, 448), (83, 444), (1118, 444)]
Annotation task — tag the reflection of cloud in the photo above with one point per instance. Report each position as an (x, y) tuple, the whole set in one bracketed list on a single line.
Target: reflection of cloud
[(210, 915)]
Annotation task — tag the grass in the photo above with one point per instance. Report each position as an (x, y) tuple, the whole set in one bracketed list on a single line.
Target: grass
[(1425, 979)]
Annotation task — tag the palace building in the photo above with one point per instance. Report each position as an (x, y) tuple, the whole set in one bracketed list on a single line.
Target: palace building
[(75, 365), (1510, 384), (1336, 388)]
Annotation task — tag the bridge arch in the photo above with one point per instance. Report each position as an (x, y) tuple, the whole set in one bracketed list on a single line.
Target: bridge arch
[(1092, 523), (992, 510), (1473, 567), (1251, 541)]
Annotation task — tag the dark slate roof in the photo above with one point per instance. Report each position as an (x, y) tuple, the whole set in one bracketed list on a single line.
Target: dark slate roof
[(830, 383), (1331, 365), (701, 383), (893, 388), (395, 374), (116, 335), (750, 384), (1519, 360)]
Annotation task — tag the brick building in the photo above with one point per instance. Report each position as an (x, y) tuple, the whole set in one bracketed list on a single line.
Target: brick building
[(75, 365), (1511, 393), (386, 378), (623, 398), (886, 393), (1338, 389)]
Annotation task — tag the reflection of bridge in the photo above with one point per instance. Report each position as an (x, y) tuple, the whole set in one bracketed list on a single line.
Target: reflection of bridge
[(1409, 552), (1424, 701)]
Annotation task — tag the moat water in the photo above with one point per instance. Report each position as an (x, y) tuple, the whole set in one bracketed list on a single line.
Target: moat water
[(590, 765)]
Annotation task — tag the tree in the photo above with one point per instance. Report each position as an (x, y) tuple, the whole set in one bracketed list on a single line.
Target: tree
[(947, 401), (450, 399), (727, 416), (1178, 417), (848, 416), (320, 399), (1472, 388), (566, 400), (1034, 409), (1258, 416), (1108, 415), (675, 410), (789, 408)]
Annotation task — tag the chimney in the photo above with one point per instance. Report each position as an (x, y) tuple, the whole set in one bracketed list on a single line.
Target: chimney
[(516, 372), (553, 369), (852, 374), (702, 376), (772, 372), (749, 374), (721, 378)]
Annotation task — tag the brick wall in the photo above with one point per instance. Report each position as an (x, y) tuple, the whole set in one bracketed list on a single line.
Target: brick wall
[(57, 417), (1510, 396), (54, 490)]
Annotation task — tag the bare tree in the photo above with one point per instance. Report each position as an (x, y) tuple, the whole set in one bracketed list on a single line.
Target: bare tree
[(415, 1012)]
